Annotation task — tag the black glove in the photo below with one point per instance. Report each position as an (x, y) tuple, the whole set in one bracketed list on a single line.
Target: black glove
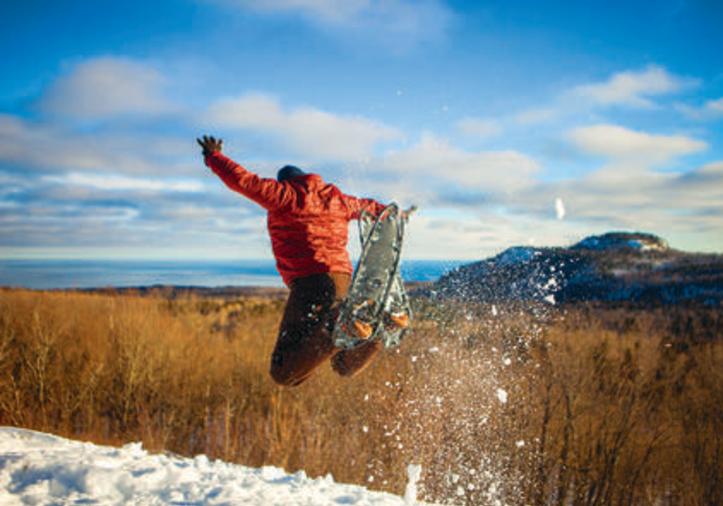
[(210, 145), (408, 212)]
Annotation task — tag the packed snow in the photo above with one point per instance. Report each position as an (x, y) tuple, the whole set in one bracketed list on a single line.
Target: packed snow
[(516, 255), (41, 469)]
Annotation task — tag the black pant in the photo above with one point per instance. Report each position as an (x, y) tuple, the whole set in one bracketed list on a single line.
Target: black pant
[(304, 341)]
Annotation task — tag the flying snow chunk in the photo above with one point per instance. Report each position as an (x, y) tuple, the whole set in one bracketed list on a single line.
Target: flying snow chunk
[(502, 395), (414, 472), (559, 208)]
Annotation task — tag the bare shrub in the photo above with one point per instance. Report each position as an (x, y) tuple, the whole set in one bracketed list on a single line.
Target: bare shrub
[(594, 405)]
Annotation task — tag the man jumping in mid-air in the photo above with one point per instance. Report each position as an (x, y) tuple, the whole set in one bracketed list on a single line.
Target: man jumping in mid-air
[(308, 224)]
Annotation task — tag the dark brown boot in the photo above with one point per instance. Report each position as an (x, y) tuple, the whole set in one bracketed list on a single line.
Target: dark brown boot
[(351, 362)]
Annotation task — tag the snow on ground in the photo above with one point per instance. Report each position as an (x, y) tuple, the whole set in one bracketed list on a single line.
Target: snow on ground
[(41, 469)]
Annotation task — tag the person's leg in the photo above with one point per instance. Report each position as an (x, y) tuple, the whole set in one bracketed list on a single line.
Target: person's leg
[(304, 340)]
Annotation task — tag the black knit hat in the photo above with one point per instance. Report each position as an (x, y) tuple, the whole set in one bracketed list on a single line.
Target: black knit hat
[(289, 172)]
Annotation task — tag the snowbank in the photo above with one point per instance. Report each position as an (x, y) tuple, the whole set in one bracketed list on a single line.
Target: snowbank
[(42, 469)]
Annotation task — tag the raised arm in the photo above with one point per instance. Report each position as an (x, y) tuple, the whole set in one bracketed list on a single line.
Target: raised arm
[(266, 192), (356, 205)]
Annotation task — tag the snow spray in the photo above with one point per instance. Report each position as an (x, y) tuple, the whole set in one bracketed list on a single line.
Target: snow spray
[(414, 472)]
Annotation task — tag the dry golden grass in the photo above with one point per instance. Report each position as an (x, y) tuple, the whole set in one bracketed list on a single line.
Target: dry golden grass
[(603, 405)]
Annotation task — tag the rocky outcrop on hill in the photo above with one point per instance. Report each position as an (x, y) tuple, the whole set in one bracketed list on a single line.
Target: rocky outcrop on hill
[(616, 266), (634, 241)]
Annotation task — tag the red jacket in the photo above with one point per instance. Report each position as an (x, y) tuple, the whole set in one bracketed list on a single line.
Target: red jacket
[(307, 217)]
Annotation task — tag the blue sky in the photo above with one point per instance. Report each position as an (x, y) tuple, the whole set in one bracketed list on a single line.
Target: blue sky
[(507, 122)]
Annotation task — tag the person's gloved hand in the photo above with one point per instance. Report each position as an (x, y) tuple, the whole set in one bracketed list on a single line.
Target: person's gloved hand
[(210, 144), (408, 212)]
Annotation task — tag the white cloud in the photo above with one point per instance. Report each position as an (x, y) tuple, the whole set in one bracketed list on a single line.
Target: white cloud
[(308, 131), (449, 234), (633, 196), (331, 11), (485, 170), (49, 147), (407, 20), (536, 115), (488, 188), (712, 109), (621, 144), (477, 233), (707, 179), (712, 169), (625, 193), (117, 182), (714, 106), (632, 88), (479, 127), (108, 87)]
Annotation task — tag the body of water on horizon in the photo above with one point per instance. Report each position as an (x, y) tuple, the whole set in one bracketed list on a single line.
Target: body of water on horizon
[(57, 274)]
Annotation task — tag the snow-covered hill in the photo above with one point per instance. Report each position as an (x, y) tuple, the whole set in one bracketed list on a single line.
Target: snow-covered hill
[(41, 469), (617, 266)]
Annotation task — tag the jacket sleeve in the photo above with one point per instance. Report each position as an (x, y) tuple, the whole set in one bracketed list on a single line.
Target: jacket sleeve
[(356, 206), (268, 193)]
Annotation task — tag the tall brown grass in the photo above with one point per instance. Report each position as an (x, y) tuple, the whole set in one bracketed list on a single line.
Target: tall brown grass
[(594, 405)]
